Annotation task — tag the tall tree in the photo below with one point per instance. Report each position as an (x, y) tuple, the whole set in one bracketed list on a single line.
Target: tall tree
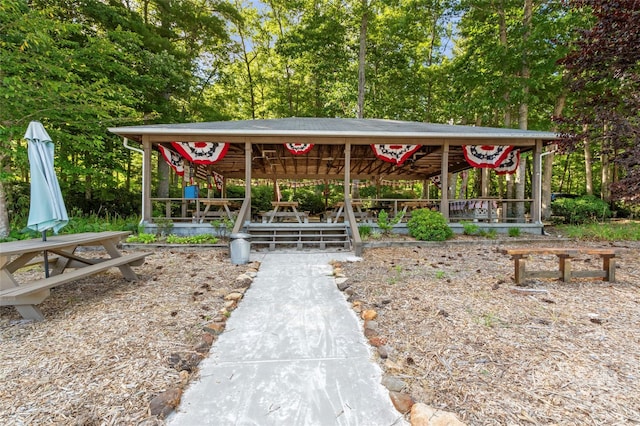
[(604, 74)]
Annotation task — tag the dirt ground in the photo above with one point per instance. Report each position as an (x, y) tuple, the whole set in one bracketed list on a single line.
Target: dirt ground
[(460, 333), (467, 340)]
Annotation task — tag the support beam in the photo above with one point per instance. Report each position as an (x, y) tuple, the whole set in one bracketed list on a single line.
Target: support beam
[(444, 182), (536, 184), (146, 189), (248, 151)]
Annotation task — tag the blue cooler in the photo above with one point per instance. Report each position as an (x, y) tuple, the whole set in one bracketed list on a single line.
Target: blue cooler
[(191, 191)]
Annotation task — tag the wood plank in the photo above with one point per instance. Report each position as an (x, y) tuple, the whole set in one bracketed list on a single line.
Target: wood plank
[(59, 241), (11, 296)]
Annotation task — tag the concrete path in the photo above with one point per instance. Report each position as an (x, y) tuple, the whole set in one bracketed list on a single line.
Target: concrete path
[(292, 353)]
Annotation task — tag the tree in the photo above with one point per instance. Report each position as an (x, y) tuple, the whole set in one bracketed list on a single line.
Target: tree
[(603, 71)]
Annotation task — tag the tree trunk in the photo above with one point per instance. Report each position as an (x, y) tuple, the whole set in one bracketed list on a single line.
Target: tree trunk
[(463, 185), (453, 183), (588, 164), (547, 169), (5, 226), (605, 190), (163, 178), (362, 58)]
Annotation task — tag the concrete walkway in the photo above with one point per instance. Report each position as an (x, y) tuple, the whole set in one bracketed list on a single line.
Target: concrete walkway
[(293, 353)]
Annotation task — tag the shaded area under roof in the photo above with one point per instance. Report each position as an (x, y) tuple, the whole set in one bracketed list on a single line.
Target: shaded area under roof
[(329, 136)]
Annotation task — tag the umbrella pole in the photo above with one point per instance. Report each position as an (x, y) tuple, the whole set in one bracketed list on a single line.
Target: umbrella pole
[(46, 257)]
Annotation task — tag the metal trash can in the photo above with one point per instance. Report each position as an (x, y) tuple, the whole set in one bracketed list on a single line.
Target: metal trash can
[(239, 248)]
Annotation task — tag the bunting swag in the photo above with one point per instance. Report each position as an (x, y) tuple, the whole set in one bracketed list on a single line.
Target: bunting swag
[(202, 152), (298, 148), (486, 156), (397, 154), (218, 179), (173, 159), (510, 164)]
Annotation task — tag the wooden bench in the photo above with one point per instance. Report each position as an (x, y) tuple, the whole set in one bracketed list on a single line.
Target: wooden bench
[(564, 272), (35, 292), (267, 217)]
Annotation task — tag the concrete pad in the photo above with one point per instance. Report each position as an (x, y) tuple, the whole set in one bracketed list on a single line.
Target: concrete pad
[(293, 353)]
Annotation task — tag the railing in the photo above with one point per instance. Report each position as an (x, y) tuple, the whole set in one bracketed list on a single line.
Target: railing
[(192, 209)]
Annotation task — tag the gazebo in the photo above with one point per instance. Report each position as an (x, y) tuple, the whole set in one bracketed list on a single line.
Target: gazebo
[(334, 148)]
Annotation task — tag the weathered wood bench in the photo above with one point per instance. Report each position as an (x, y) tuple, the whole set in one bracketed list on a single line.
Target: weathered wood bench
[(35, 292), (270, 215), (564, 272)]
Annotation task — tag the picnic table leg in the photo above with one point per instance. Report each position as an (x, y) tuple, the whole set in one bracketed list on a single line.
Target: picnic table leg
[(127, 272), (30, 312), (609, 267), (565, 267), (520, 268)]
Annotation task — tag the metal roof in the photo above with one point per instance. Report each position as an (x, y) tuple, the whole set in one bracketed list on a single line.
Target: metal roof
[(328, 128)]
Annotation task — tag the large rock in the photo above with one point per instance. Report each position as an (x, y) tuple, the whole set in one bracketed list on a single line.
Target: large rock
[(369, 314), (402, 401), (393, 383), (423, 415), (163, 404)]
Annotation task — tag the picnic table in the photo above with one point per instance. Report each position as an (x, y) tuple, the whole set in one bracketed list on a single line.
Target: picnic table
[(223, 207), (62, 248), (284, 209), (338, 212)]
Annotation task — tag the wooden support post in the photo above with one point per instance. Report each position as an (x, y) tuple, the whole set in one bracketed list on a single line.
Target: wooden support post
[(520, 268), (609, 267), (565, 267)]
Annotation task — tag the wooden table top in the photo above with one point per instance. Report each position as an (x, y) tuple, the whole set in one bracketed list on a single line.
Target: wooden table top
[(284, 203), (58, 241)]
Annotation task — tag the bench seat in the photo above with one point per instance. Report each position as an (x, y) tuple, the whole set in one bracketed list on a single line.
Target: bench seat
[(35, 292), (519, 256)]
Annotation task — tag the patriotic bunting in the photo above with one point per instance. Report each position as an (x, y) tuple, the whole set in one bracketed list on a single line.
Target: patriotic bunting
[(298, 148), (397, 154), (510, 164), (486, 156), (202, 152), (436, 181), (175, 161), (218, 179)]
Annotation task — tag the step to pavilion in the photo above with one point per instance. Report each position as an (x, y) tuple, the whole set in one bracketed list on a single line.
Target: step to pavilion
[(301, 236)]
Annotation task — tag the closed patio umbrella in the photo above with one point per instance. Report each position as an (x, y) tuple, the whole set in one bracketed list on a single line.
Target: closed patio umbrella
[(47, 209)]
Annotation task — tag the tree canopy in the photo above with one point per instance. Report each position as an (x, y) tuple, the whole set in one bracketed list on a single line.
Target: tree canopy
[(92, 64)]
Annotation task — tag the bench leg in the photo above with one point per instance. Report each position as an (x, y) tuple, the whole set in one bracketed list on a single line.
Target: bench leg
[(30, 312), (565, 267), (520, 268), (609, 267)]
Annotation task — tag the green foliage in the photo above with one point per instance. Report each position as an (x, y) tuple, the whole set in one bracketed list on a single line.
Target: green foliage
[(514, 232), (192, 239), (142, 238), (581, 210), (386, 225), (611, 231), (164, 226), (223, 227), (309, 200), (470, 228), (427, 225), (365, 231)]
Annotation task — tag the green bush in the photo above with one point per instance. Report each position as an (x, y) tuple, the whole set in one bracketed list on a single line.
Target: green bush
[(514, 232), (386, 225), (470, 228), (309, 200), (365, 231), (427, 225), (587, 209)]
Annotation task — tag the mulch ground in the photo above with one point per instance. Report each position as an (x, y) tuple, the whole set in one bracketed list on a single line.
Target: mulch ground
[(460, 333)]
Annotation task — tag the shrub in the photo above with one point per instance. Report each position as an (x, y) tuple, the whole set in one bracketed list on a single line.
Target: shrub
[(470, 228), (427, 225), (365, 231), (386, 225), (585, 209), (514, 232)]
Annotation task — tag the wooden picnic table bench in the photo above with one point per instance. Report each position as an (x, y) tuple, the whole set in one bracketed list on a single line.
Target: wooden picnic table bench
[(18, 254), (564, 272)]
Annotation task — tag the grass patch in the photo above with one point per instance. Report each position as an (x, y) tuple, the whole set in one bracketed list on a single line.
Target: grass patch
[(606, 231)]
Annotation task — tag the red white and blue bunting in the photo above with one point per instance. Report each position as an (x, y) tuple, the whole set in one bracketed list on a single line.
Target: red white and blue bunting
[(202, 152), (396, 154), (486, 156), (298, 148), (218, 179), (175, 161), (510, 164)]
